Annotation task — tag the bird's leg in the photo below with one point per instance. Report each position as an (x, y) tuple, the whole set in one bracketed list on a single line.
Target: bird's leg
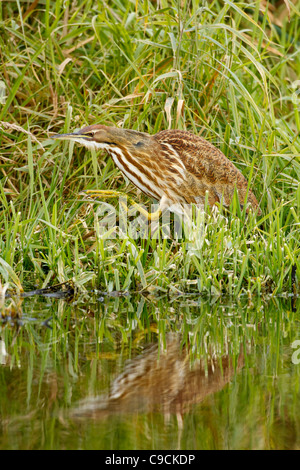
[(164, 203), (102, 193), (151, 216)]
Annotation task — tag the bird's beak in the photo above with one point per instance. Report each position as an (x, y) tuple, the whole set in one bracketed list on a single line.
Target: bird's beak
[(71, 136)]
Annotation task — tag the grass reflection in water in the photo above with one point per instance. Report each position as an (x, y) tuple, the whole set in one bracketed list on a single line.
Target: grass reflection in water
[(147, 373)]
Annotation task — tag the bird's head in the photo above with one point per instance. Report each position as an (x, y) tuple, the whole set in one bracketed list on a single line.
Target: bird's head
[(98, 136)]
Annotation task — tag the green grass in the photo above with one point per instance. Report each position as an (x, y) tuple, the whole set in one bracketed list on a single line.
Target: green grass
[(222, 70)]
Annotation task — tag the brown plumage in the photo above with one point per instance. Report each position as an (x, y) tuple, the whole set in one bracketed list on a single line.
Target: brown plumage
[(175, 167)]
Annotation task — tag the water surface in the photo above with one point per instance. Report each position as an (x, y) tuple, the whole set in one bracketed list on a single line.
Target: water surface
[(133, 372)]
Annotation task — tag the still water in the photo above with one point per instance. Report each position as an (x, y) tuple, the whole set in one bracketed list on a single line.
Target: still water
[(110, 372)]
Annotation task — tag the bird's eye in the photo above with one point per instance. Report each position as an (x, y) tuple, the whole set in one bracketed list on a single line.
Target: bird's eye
[(139, 144), (89, 134)]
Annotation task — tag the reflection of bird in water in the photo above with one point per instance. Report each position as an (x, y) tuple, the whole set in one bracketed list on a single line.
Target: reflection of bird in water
[(161, 381), (174, 167)]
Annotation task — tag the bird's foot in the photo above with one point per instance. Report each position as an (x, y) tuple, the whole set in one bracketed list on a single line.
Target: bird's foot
[(150, 216), (107, 193)]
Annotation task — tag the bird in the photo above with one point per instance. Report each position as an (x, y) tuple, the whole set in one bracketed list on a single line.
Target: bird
[(174, 167)]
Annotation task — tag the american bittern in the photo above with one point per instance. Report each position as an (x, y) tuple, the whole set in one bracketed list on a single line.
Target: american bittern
[(174, 167)]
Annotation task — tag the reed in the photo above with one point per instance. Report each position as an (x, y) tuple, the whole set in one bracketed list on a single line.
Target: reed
[(223, 70)]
